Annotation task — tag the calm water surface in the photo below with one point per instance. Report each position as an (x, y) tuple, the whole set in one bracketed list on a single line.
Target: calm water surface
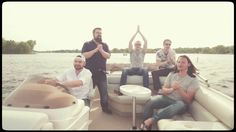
[(218, 69)]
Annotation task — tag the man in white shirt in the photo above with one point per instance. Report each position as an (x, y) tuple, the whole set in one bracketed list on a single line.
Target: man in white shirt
[(76, 80)]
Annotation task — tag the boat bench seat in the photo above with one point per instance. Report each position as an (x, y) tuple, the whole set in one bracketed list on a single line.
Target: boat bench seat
[(113, 81), (12, 120), (122, 105), (210, 110)]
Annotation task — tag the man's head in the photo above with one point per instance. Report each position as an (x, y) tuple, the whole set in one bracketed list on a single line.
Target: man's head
[(79, 62), (137, 45), (97, 34), (167, 44), (185, 64)]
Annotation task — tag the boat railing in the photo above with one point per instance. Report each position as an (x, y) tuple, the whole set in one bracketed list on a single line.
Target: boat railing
[(203, 80)]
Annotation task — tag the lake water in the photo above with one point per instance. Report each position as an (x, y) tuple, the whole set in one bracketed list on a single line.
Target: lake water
[(218, 69)]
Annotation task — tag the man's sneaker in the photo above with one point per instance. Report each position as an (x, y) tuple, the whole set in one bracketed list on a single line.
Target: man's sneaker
[(117, 92), (107, 111)]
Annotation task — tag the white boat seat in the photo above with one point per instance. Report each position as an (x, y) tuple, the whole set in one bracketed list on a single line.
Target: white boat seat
[(25, 120), (36, 95), (113, 81), (210, 110), (122, 105), (169, 124)]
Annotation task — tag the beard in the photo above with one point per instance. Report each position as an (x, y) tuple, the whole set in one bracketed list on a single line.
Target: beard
[(78, 67), (98, 39)]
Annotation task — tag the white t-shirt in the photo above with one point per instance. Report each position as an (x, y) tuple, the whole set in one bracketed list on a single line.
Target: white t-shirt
[(85, 76)]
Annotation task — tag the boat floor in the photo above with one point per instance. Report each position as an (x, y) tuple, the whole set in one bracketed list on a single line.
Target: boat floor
[(102, 121)]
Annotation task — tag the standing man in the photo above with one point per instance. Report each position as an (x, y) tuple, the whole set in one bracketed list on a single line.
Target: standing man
[(96, 53), (136, 58), (165, 61)]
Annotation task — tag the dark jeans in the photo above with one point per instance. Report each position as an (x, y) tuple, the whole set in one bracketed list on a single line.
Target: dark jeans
[(135, 71), (100, 80), (155, 76)]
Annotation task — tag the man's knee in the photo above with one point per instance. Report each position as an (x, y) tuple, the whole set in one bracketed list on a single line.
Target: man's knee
[(125, 72), (181, 106)]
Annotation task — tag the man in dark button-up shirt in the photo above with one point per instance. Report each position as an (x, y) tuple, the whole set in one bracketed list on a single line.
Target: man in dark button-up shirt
[(96, 53)]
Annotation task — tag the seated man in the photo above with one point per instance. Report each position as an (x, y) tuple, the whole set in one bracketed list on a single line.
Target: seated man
[(165, 61), (137, 59), (77, 80), (177, 93)]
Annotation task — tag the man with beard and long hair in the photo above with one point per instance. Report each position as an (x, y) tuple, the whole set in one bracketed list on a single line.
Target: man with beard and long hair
[(96, 53), (177, 93), (76, 80)]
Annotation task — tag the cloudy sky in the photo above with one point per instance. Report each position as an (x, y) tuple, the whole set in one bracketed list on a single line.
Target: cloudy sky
[(67, 25)]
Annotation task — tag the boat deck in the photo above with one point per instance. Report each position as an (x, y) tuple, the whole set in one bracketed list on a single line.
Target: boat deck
[(102, 121)]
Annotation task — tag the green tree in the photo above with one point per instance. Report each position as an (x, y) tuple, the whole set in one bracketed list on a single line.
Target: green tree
[(31, 44), (12, 47), (219, 49)]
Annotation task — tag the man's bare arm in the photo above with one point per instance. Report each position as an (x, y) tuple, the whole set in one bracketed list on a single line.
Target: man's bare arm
[(131, 41), (90, 53), (145, 41), (73, 83), (159, 63), (105, 54)]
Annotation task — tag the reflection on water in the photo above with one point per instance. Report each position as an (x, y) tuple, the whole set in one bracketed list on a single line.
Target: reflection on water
[(218, 69)]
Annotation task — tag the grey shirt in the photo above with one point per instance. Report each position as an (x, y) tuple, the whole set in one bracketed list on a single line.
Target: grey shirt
[(137, 58), (186, 83)]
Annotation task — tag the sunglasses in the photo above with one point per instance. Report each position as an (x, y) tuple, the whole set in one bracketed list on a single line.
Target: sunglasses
[(167, 44)]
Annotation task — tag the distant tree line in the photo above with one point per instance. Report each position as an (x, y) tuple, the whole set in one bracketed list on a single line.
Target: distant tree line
[(60, 51), (12, 47), (219, 49)]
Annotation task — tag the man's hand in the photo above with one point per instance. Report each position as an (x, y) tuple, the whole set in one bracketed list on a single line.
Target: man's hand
[(176, 85), (50, 82), (171, 56), (100, 48)]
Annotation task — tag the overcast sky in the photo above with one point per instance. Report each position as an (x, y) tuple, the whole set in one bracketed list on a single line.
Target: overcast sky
[(67, 25)]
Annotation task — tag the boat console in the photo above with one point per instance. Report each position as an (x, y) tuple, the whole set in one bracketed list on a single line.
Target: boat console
[(41, 106)]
